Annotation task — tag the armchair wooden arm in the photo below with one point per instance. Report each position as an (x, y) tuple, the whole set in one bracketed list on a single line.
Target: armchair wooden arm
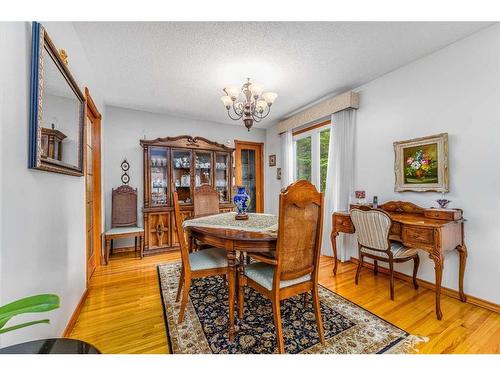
[(264, 259)]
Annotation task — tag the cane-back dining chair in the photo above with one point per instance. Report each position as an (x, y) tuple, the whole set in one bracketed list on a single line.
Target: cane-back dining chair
[(294, 270), (206, 201), (209, 262), (372, 228)]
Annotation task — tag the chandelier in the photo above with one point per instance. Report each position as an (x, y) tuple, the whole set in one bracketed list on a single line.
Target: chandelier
[(248, 102)]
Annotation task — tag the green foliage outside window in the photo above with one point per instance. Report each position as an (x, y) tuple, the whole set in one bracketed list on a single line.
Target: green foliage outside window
[(303, 159), (324, 143)]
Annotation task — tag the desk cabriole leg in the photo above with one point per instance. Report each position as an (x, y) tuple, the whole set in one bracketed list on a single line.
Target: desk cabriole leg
[(333, 238), (438, 259), (462, 251)]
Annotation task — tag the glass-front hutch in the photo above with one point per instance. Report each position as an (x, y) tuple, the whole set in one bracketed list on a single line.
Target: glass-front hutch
[(181, 163)]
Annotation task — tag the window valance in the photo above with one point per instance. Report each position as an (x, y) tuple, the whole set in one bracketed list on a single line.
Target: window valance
[(325, 108)]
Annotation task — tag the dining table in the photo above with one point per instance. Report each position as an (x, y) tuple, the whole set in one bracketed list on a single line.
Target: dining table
[(257, 234)]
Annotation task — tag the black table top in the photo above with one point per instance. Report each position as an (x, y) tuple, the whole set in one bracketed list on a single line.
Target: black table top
[(51, 346)]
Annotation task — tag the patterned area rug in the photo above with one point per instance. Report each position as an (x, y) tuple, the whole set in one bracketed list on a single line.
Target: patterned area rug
[(348, 328)]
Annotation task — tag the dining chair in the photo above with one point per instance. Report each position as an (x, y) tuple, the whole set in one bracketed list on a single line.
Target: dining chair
[(209, 262), (372, 226), (123, 220), (294, 270), (206, 201)]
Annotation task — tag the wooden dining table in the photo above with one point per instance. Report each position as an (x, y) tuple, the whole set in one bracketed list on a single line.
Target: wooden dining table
[(233, 240)]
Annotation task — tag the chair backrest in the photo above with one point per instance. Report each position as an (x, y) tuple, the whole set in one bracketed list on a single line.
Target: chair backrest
[(123, 207), (180, 232), (206, 200), (372, 228), (299, 231)]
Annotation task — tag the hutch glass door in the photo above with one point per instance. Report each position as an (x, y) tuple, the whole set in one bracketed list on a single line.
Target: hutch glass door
[(203, 168), (159, 176), (222, 182), (181, 174)]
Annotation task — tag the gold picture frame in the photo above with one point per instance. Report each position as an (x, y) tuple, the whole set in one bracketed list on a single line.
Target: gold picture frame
[(421, 164)]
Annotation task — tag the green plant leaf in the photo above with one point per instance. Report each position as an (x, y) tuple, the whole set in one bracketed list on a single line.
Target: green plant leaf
[(32, 304), (22, 325)]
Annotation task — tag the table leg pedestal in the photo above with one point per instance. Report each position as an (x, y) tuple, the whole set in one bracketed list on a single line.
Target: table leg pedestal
[(241, 286), (231, 262)]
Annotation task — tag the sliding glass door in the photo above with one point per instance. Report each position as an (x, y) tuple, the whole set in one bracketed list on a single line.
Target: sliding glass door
[(311, 155)]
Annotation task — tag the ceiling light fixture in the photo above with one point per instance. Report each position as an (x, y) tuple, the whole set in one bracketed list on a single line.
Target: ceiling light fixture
[(253, 105)]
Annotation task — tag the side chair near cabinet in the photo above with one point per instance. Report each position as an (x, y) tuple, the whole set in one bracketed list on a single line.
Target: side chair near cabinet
[(123, 219), (209, 262), (372, 229), (294, 270)]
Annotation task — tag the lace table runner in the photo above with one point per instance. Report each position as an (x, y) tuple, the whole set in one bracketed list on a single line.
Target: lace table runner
[(263, 223)]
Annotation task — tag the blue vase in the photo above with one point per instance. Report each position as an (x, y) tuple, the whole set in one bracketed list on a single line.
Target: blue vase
[(241, 201)]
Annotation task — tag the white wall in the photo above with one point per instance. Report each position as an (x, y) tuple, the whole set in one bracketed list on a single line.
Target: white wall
[(42, 248), (455, 90), (125, 127), (273, 185)]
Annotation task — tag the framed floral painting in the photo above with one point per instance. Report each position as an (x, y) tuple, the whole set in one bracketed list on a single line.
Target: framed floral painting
[(421, 164)]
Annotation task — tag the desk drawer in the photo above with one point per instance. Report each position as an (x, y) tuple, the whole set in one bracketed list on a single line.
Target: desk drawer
[(343, 223), (416, 236)]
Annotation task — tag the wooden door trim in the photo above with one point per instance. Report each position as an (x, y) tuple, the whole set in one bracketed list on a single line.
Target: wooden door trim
[(239, 145), (96, 174)]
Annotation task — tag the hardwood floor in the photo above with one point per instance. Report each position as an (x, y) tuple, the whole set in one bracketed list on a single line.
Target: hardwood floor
[(123, 312)]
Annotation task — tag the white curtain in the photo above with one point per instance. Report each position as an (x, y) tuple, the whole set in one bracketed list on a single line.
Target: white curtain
[(287, 158), (339, 177)]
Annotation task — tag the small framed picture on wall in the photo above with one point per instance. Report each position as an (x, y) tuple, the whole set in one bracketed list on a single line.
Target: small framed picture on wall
[(272, 160), (278, 173)]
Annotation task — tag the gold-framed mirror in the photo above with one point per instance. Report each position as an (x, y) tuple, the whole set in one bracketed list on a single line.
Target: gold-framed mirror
[(57, 110)]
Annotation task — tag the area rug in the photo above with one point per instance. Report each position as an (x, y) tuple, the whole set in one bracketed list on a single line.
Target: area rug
[(348, 328)]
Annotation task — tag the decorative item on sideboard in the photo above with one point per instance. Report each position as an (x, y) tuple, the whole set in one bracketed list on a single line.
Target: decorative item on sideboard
[(360, 196), (443, 203)]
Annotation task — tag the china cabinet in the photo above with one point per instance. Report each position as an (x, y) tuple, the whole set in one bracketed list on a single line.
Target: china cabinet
[(180, 164)]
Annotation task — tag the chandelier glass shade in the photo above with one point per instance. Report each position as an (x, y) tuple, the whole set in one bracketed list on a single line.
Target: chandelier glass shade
[(249, 103)]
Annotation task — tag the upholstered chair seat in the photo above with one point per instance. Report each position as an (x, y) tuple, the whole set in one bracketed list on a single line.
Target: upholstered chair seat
[(124, 230), (398, 251), (208, 259), (263, 274)]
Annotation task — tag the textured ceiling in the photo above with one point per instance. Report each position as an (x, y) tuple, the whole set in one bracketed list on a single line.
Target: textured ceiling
[(180, 68)]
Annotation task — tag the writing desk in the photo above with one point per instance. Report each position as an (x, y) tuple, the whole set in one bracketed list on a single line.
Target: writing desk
[(432, 230)]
